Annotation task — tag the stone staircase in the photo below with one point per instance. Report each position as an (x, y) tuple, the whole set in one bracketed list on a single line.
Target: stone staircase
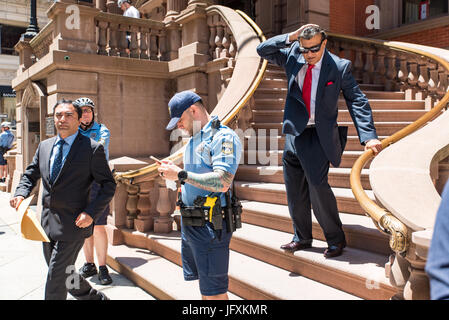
[(259, 269)]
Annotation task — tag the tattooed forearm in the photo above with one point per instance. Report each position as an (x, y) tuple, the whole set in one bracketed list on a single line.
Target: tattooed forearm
[(217, 181)]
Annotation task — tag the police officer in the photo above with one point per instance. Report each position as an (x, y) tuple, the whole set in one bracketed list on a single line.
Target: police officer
[(98, 132), (6, 140), (211, 159)]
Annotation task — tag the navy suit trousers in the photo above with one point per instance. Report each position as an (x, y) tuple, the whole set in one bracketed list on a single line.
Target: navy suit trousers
[(306, 169)]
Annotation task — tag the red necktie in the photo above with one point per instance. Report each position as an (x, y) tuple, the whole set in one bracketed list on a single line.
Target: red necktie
[(307, 87)]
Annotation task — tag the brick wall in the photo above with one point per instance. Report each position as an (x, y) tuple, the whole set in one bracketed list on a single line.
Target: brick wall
[(436, 37), (348, 16)]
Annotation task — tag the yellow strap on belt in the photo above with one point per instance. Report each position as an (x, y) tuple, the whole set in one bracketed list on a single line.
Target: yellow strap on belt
[(210, 202)]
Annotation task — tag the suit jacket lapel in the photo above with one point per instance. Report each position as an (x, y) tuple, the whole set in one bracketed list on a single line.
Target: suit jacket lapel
[(322, 80), (46, 155), (293, 85)]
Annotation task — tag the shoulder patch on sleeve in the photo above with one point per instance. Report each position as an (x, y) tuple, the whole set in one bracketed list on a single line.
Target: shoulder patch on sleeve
[(227, 147)]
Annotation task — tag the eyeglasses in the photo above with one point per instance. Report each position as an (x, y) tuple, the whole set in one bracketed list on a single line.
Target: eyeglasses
[(87, 110), (313, 49)]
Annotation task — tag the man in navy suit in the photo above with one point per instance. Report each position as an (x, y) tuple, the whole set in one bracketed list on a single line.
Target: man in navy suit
[(313, 138)]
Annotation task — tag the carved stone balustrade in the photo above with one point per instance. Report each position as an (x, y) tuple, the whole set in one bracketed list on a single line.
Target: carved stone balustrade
[(420, 78), (221, 41), (146, 38)]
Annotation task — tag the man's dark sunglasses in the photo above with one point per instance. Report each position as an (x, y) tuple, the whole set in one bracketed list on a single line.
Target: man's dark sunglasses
[(314, 49)]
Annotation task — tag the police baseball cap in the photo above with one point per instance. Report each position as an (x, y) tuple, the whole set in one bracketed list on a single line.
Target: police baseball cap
[(179, 103)]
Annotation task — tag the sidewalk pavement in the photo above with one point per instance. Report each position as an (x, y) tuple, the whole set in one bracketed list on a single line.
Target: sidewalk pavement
[(23, 270)]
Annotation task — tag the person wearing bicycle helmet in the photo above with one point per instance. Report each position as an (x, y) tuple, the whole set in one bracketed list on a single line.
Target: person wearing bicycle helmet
[(99, 240)]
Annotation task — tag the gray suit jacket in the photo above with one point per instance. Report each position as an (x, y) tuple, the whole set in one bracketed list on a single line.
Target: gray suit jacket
[(335, 77), (63, 201)]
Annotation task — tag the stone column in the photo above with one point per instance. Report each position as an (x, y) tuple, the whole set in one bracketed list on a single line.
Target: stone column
[(417, 286), (74, 35), (101, 4), (25, 52), (412, 78), (174, 39), (194, 54), (391, 74), (369, 64), (174, 7), (397, 271), (163, 223), (131, 205), (144, 221)]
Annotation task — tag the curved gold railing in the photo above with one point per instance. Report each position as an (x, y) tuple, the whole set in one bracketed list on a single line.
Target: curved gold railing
[(150, 171), (384, 220)]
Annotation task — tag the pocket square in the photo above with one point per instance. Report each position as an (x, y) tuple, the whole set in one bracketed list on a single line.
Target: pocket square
[(329, 83)]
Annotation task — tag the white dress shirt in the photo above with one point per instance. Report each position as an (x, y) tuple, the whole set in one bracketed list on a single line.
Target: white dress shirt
[(315, 77), (131, 12)]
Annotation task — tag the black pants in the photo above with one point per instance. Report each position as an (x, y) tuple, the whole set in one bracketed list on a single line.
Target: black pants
[(62, 276), (306, 169)]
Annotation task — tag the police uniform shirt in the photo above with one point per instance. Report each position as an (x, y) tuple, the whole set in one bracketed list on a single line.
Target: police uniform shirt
[(98, 132), (6, 139), (207, 150)]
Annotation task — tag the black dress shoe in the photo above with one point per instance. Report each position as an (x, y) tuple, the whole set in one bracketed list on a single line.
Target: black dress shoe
[(295, 246), (334, 250)]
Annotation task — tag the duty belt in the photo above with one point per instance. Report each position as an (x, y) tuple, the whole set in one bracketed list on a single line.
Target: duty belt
[(209, 209)]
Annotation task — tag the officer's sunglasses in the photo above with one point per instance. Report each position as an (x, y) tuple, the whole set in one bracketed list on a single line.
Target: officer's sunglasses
[(313, 49)]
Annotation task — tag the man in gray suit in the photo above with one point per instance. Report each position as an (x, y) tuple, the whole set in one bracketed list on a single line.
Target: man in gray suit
[(67, 164), (313, 138)]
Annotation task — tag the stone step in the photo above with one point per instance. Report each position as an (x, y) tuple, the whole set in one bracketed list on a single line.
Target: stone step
[(375, 104), (382, 128), (360, 231), (274, 157), (275, 193), (274, 142), (248, 277), (155, 274), (270, 93), (357, 272), (389, 104), (273, 82), (274, 67), (371, 87), (338, 177), (384, 95), (274, 74), (344, 115)]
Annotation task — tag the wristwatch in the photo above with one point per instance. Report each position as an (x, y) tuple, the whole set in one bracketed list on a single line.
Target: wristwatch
[(182, 175)]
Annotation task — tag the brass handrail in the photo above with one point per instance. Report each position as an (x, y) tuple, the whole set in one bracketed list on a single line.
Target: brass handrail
[(384, 220), (152, 168)]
